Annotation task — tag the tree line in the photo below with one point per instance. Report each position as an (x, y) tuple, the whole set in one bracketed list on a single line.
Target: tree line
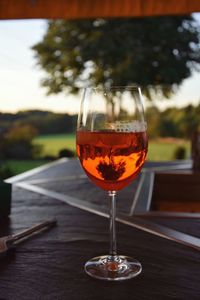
[(44, 122), (171, 122)]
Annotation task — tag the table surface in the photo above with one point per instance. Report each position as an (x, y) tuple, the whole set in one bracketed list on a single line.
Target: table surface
[(50, 264)]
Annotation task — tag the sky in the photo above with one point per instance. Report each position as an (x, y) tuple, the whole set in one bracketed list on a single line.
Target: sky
[(20, 77)]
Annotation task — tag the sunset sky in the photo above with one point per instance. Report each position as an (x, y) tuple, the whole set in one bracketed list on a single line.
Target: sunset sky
[(20, 77)]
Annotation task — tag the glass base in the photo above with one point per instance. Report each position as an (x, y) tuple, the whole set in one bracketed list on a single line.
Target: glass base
[(114, 268)]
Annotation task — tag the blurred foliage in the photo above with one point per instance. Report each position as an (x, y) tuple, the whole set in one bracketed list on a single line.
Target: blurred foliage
[(44, 121), (20, 134), (5, 171), (173, 122), (180, 153), (24, 126), (156, 53), (66, 153), (16, 142)]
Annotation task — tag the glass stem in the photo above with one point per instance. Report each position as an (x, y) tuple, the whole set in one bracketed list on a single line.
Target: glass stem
[(113, 241)]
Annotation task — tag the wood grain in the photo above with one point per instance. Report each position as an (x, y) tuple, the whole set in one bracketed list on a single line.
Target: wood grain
[(73, 9), (50, 265)]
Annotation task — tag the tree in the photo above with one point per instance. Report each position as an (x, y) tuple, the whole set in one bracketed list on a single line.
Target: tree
[(18, 143), (190, 121), (170, 122), (154, 121), (157, 53)]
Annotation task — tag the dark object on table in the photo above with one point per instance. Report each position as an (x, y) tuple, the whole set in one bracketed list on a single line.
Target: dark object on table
[(7, 242), (5, 199)]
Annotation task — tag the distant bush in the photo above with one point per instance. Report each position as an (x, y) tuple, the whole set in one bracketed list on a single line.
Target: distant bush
[(36, 150), (49, 157), (180, 153), (5, 171), (18, 144), (19, 151), (66, 153)]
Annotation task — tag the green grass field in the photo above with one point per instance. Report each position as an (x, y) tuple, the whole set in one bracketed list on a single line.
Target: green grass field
[(52, 144), (20, 166), (161, 149), (164, 149)]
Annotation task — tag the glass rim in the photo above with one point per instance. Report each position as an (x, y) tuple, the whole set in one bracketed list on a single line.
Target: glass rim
[(115, 88)]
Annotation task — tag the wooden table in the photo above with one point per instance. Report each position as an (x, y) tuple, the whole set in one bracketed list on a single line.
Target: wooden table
[(50, 264)]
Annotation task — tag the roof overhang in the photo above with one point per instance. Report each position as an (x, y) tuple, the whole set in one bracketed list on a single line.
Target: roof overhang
[(78, 9)]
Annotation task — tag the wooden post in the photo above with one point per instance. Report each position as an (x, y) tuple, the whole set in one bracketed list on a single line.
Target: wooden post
[(196, 151), (5, 199)]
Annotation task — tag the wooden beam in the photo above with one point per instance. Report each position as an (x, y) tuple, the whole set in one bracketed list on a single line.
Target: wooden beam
[(73, 9)]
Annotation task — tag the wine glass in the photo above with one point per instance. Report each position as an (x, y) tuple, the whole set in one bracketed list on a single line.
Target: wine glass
[(112, 144)]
